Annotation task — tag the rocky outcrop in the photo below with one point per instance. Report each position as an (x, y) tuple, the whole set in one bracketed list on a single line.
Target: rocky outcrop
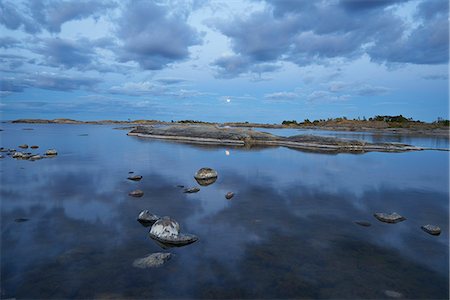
[(167, 232), (135, 177), (205, 176), (431, 229), (389, 217), (24, 146), (147, 218), (210, 134), (51, 152)]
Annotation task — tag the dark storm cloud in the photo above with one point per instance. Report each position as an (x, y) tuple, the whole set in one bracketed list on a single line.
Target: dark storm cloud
[(313, 32), (67, 53), (154, 36), (33, 16)]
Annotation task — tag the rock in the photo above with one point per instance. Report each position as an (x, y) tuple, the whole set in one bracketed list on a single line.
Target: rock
[(205, 176), (363, 223), (191, 190), (229, 195), (20, 220), (393, 294), (135, 177), (131, 172), (24, 146), (34, 147), (1, 156), (167, 232), (136, 193), (431, 229), (180, 186), (35, 157), (19, 155), (389, 218), (147, 218), (51, 152), (153, 260), (3, 149)]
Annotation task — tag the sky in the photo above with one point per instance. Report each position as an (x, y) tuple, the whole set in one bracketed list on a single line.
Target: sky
[(257, 61)]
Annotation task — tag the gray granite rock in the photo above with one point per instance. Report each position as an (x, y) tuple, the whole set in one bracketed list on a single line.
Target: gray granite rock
[(431, 229), (389, 217)]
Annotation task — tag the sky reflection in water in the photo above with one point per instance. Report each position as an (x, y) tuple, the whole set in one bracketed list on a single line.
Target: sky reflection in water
[(288, 231)]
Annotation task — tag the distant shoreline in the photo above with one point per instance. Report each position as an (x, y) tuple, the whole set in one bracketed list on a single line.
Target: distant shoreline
[(376, 127)]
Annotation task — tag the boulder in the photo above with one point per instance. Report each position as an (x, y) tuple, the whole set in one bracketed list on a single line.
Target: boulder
[(136, 193), (431, 229), (147, 218), (205, 176), (24, 146), (167, 232), (229, 195), (153, 260), (34, 147), (389, 218), (135, 177), (51, 152), (191, 190), (35, 157)]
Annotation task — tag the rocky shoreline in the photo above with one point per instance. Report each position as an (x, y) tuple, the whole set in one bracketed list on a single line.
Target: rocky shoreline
[(245, 137)]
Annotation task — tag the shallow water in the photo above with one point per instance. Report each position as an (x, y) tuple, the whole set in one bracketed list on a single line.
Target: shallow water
[(287, 233), (420, 141)]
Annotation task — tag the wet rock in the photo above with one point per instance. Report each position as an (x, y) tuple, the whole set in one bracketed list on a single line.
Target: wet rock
[(153, 260), (20, 155), (167, 232), (147, 218), (20, 220), (393, 294), (35, 157), (135, 177), (136, 193), (24, 146), (431, 229), (51, 152), (180, 186), (363, 223), (34, 147), (191, 190), (229, 195), (389, 218), (131, 172), (205, 176)]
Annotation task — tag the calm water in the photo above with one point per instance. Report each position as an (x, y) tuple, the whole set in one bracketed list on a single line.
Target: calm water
[(421, 141), (287, 233)]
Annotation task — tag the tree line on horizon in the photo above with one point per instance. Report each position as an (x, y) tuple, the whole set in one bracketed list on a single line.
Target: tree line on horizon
[(377, 118)]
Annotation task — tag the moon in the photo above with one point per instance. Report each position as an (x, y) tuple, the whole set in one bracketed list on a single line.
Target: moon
[(228, 100)]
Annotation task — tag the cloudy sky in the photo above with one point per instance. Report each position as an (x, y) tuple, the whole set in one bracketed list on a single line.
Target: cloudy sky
[(263, 61)]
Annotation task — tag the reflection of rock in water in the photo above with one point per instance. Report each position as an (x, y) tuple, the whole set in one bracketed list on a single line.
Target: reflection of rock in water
[(146, 218), (205, 176), (166, 231), (153, 260), (389, 218), (393, 294), (431, 229)]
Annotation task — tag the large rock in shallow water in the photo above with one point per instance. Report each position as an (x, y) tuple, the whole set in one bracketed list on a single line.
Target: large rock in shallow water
[(167, 232), (205, 176), (431, 229), (389, 218), (146, 218), (153, 260)]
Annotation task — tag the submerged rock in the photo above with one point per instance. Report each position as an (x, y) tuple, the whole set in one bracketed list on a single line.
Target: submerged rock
[(147, 218), (431, 229), (51, 152), (20, 220), (135, 177), (229, 195), (24, 146), (205, 176), (389, 218), (191, 190), (363, 223), (136, 193), (153, 260), (167, 232)]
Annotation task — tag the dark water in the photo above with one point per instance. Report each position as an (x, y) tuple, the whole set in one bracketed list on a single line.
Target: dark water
[(287, 233), (420, 141)]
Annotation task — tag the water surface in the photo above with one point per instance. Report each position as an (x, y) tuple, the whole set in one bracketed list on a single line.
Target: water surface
[(287, 233)]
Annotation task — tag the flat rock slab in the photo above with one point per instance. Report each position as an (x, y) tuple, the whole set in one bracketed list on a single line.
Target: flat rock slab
[(135, 177), (389, 218), (363, 223), (191, 190), (136, 193), (153, 260), (431, 229)]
